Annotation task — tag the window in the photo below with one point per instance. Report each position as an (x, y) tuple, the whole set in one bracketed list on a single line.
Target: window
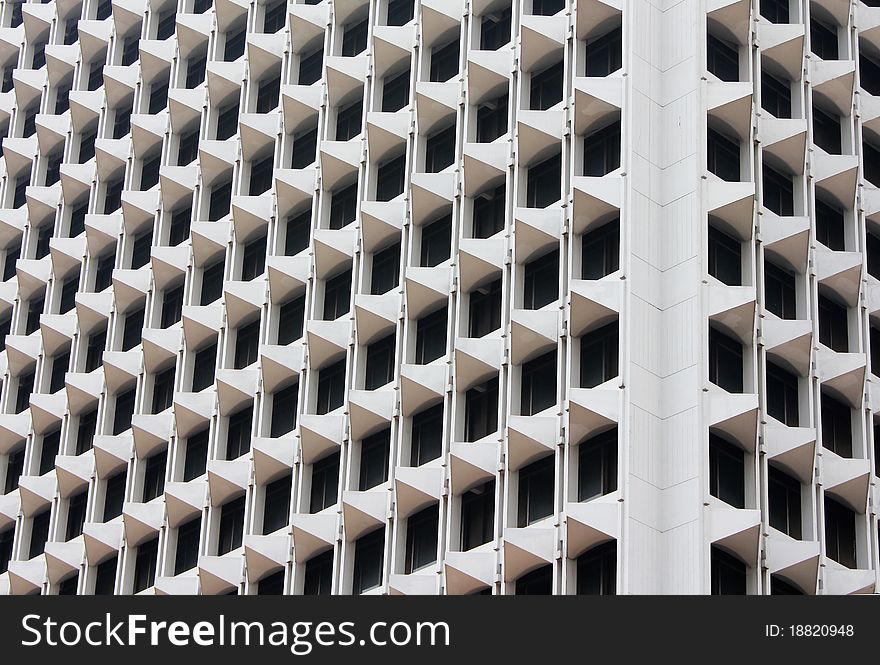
[(872, 250), (600, 251), (114, 496), (779, 587), (290, 320), (725, 361), (145, 565), (782, 395), (348, 121), (69, 287), (163, 390), (723, 156), (277, 504), (104, 271), (187, 552), (140, 249), (541, 281), (14, 469), (19, 196), (725, 257), (597, 571), (823, 38), (536, 583), (5, 325), (478, 516), (440, 150), (395, 92), (331, 388), (325, 483), (836, 426), (605, 53), (869, 73), (284, 406), (421, 538), (105, 577), (375, 450), (427, 435), (369, 552), (87, 145), (195, 70), (602, 150), (233, 49), (386, 270), (436, 242), (67, 587), (599, 355), (122, 122), (227, 121), (830, 226), (310, 66), (275, 17), (204, 363), (431, 337), (775, 11), (726, 471), (489, 212), (113, 196), (35, 309), (400, 12), (545, 87), (272, 585), (495, 30), (390, 178), (196, 456), (722, 58), (536, 491), (826, 130), (775, 95), (221, 198), (778, 192), (543, 185), (39, 533), (123, 412), (728, 575), (85, 432), (49, 451), (253, 261), (267, 93), (304, 149), (337, 296), (53, 167), (871, 163), (380, 363), (481, 410), (840, 533), (492, 120), (212, 283), (485, 310), (538, 385), (833, 329), (158, 97), (296, 237), (59, 372), (354, 38), (444, 62), (319, 575), (238, 433), (40, 61), (132, 329), (343, 206), (188, 149), (13, 253), (167, 23), (172, 306), (76, 515), (784, 496), (874, 360), (597, 465), (6, 538), (154, 476), (779, 291)]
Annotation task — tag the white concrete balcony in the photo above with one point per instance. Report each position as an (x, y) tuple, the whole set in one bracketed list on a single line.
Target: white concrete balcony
[(527, 548)]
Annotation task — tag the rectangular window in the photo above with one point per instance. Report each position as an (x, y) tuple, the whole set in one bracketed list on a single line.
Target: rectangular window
[(343, 207), (337, 296), (872, 252), (775, 11), (158, 97), (481, 410), (869, 73), (421, 538), (305, 146), (227, 122), (187, 551), (538, 384), (221, 199), (132, 329), (431, 337), (290, 320), (840, 533), (97, 342), (492, 120), (400, 12), (113, 196), (104, 271), (348, 121), (140, 249), (547, 7), (495, 30), (78, 219), (836, 426), (725, 257), (68, 294), (87, 145), (35, 309), (725, 361), (53, 168), (826, 130), (267, 93), (380, 363), (247, 345), (196, 457), (195, 70), (49, 451), (369, 553), (780, 291), (204, 363), (212, 283), (444, 62), (597, 571), (535, 498), (325, 483), (830, 226), (354, 38), (599, 355), (298, 233), (163, 390), (427, 435), (375, 450), (188, 148), (600, 251), (395, 92), (172, 306), (727, 472), (778, 192), (436, 242), (833, 328), (597, 466), (233, 49), (541, 281), (478, 516), (76, 515), (284, 407), (485, 310), (723, 158), (276, 505), (440, 150), (154, 476), (39, 533), (145, 565), (782, 395), (775, 94), (105, 577), (231, 529), (71, 30), (123, 411), (784, 498), (19, 196), (544, 183), (85, 433), (488, 217), (386, 270), (13, 253), (310, 67), (25, 388), (823, 39), (167, 23), (331, 388), (14, 469), (546, 87), (275, 17), (602, 150), (122, 122), (130, 49), (40, 60), (253, 262), (44, 235), (60, 364), (319, 575), (605, 53), (238, 434), (722, 58), (114, 496), (391, 178)]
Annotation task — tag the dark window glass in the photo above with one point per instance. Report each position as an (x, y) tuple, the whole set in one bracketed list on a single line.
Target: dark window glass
[(53, 168), (296, 238), (325, 483), (331, 388), (196, 457), (39, 533), (421, 538), (400, 12), (775, 11), (782, 395), (728, 576), (597, 571), (544, 183), (478, 516), (310, 67), (195, 70), (85, 433), (840, 533), (823, 39), (779, 291), (440, 150), (495, 30), (35, 309), (87, 145), (541, 281), (390, 178), (775, 94), (44, 235), (536, 583), (600, 251), (380, 363), (727, 472), (348, 121), (826, 130), (830, 226), (204, 364), (395, 92), (123, 412), (354, 38), (833, 329), (836, 426), (145, 565), (284, 407), (492, 120), (76, 514), (11, 260), (49, 451), (154, 476), (25, 388), (427, 435), (71, 30), (723, 157), (725, 257), (375, 450), (305, 145), (227, 122), (481, 410), (436, 242), (40, 61), (599, 355), (485, 310), (5, 326), (386, 270), (319, 575), (597, 466), (172, 306), (14, 469), (60, 364), (114, 496), (19, 197), (122, 122), (547, 7), (233, 49), (602, 150), (546, 87), (78, 219), (130, 49), (113, 196), (187, 552), (444, 62), (67, 587), (784, 496), (725, 361), (275, 17), (290, 320), (238, 434), (538, 385), (536, 491), (722, 58), (188, 149), (221, 199), (253, 261), (247, 344), (872, 250), (97, 342), (875, 351), (105, 577), (277, 504), (104, 271), (167, 23), (869, 73), (163, 390), (489, 212), (158, 97), (132, 330), (212, 283), (68, 294), (778, 192), (605, 53), (343, 206), (871, 163), (140, 249), (271, 585), (267, 94), (369, 552), (337, 296), (431, 337)]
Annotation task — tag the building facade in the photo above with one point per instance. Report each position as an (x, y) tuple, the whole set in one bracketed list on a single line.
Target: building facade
[(439, 297)]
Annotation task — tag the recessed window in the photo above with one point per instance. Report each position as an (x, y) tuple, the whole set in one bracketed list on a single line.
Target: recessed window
[(114, 496), (869, 73), (14, 469), (85, 432), (154, 476), (220, 201), (145, 565), (297, 233), (291, 316), (227, 121), (538, 384), (775, 11), (723, 157), (400, 12), (331, 388), (113, 196), (140, 249), (284, 406), (481, 410), (380, 363), (395, 92), (196, 456), (212, 283), (427, 435), (784, 498), (319, 575), (354, 38), (247, 345), (780, 291), (231, 529), (488, 217), (485, 310), (262, 172), (253, 261), (23, 394), (179, 228), (602, 150), (305, 146), (536, 482), (122, 121), (167, 23), (53, 167), (204, 362), (267, 94), (605, 53), (369, 553), (872, 252), (436, 242), (495, 30), (337, 296), (727, 471), (275, 17), (544, 183), (823, 38), (725, 257), (35, 309), (597, 571), (597, 465), (390, 178), (833, 328), (348, 121), (536, 583), (271, 585), (325, 483), (76, 515), (123, 411), (599, 355), (840, 533), (78, 219), (238, 433), (421, 538), (444, 62), (440, 150), (431, 337), (233, 49), (39, 533), (60, 364), (830, 226), (105, 577), (826, 130), (492, 120), (163, 390), (158, 97), (195, 70), (310, 67), (49, 451), (728, 575), (546, 87), (778, 192), (343, 206), (187, 551), (87, 144), (386, 270), (782, 395), (478, 516), (172, 306), (836, 426), (375, 451), (722, 58), (276, 505), (871, 163), (541, 281), (725, 361)]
